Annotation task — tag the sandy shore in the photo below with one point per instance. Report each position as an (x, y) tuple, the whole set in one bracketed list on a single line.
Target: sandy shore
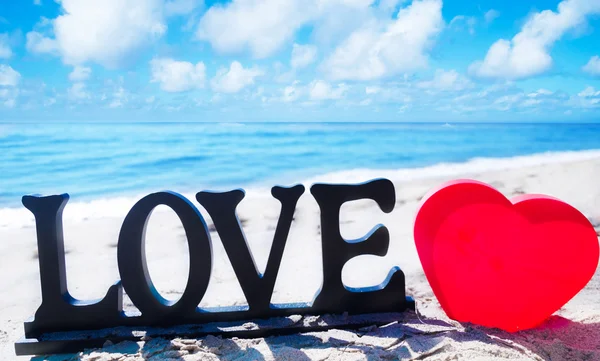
[(573, 333)]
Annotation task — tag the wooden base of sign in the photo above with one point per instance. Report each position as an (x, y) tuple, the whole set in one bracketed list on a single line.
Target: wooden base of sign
[(77, 341)]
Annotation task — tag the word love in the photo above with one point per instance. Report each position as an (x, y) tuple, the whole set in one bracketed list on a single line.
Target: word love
[(61, 312)]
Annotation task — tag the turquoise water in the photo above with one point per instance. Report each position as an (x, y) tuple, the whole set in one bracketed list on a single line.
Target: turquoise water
[(101, 161)]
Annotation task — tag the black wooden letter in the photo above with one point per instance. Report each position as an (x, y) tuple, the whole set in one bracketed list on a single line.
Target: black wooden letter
[(59, 311), (131, 254), (334, 296), (257, 288)]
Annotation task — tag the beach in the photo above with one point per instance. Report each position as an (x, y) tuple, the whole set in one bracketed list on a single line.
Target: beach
[(90, 243), (423, 107)]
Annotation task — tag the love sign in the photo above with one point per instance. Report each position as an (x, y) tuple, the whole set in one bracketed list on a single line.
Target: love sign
[(503, 263), (489, 261), (60, 313)]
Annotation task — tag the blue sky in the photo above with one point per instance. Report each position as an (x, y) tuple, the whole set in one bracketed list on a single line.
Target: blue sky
[(299, 60)]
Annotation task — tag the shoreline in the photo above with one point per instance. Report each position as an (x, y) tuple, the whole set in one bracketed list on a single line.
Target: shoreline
[(91, 259), (117, 206)]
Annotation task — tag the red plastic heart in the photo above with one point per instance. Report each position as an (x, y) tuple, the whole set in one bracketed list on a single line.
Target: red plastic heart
[(500, 263)]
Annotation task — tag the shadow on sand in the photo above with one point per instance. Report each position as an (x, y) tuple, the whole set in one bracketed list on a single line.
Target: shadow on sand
[(412, 338)]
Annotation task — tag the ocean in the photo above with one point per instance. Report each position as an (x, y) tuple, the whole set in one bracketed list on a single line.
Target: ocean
[(104, 166)]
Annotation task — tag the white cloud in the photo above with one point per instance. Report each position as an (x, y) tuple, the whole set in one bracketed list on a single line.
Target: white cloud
[(491, 15), (181, 7), (150, 99), (468, 21), (37, 43), (358, 4), (291, 93), (540, 92), (589, 92), (8, 96), (285, 77), (394, 92), (80, 73), (378, 50), (372, 90), (9, 76), (507, 97), (5, 51), (532, 102), (588, 98), (234, 79), (177, 76), (321, 90), (49, 102), (262, 26), (389, 4), (593, 66), (446, 80), (303, 55), (37, 2), (108, 32), (77, 91), (527, 54), (119, 98), (544, 98), (506, 102), (337, 19)]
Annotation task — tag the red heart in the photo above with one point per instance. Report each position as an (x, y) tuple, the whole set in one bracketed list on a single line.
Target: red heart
[(501, 263)]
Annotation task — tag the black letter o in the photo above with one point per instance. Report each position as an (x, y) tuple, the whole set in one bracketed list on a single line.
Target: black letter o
[(131, 255)]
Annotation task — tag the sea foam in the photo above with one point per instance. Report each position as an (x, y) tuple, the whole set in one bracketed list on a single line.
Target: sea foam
[(77, 211)]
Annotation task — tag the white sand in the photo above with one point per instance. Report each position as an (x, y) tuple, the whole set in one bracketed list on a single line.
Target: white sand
[(573, 333)]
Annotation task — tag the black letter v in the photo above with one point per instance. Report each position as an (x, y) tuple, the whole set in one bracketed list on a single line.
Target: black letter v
[(257, 288)]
